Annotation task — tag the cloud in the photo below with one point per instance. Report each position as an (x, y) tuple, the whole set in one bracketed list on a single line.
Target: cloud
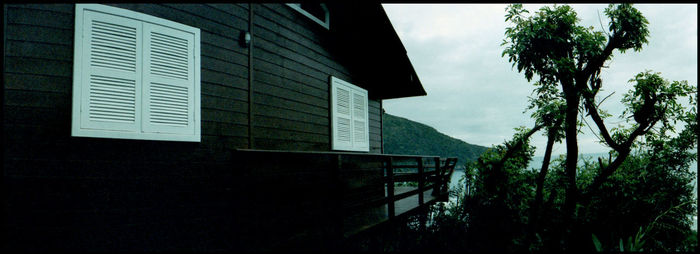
[(475, 95), (442, 22)]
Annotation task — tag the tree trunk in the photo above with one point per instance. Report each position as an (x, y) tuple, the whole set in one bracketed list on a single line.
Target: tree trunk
[(535, 209), (570, 130)]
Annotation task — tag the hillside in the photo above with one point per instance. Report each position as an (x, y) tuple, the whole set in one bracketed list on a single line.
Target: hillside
[(403, 136)]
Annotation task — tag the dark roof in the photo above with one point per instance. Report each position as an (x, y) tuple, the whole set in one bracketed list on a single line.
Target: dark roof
[(368, 41)]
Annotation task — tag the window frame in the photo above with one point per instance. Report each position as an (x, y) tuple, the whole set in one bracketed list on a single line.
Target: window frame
[(77, 130), (324, 23)]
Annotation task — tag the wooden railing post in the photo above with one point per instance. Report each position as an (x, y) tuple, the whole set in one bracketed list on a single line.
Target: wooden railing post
[(438, 176), (421, 181), (390, 187), (338, 200), (467, 185), (446, 184)]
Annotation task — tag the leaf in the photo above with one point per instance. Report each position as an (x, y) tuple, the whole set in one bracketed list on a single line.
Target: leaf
[(596, 243), (622, 246), (630, 245)]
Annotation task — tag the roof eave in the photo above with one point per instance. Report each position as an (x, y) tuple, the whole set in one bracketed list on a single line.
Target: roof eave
[(376, 50)]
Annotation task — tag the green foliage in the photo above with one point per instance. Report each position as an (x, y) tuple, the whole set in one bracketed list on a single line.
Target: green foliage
[(403, 136), (652, 190), (630, 24), (551, 45), (656, 98), (548, 43), (643, 193), (502, 194), (644, 206), (638, 241), (549, 112)]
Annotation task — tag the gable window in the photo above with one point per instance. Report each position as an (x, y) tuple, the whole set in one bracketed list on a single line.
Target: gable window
[(318, 12), (135, 76), (349, 119)]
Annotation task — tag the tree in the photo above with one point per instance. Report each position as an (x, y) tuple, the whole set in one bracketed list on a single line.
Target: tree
[(502, 193), (638, 198), (566, 59), (651, 193)]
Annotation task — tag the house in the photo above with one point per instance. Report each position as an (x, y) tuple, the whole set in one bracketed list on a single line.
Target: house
[(206, 127)]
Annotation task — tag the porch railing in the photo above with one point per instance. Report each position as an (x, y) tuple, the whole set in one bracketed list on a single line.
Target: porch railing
[(361, 190)]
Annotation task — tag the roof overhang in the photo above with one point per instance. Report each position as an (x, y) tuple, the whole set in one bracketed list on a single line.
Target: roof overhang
[(368, 43)]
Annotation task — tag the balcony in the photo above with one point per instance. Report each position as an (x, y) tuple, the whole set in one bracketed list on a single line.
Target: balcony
[(330, 196)]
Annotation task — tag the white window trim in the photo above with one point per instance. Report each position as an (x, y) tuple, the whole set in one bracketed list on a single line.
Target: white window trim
[(336, 82), (325, 24), (76, 129)]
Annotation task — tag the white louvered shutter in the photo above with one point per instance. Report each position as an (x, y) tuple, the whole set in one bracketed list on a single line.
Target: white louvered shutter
[(349, 117), (342, 117), (111, 72), (360, 123), (169, 81), (136, 76)]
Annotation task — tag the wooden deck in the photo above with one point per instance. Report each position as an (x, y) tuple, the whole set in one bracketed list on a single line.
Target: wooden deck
[(373, 216), (432, 182), (335, 195)]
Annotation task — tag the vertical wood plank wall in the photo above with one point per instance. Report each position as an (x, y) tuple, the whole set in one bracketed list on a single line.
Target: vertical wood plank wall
[(62, 192)]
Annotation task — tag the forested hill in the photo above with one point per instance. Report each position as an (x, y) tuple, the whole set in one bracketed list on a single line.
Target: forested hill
[(403, 136)]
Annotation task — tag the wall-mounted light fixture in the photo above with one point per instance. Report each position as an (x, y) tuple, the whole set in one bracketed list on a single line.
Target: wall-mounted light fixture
[(244, 39)]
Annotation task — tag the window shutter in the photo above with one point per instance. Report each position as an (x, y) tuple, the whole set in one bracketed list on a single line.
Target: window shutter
[(169, 101), (110, 72), (350, 125), (342, 117), (360, 121), (135, 76)]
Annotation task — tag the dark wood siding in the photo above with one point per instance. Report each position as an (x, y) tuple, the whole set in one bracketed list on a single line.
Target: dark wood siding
[(98, 194), (39, 63), (63, 192), (292, 63)]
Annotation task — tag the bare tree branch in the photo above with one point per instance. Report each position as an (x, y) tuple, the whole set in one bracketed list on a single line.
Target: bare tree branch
[(623, 153), (601, 24), (511, 149), (593, 112), (535, 209), (592, 131), (601, 101)]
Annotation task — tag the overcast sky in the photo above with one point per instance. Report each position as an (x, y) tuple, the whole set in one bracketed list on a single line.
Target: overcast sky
[(474, 94)]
